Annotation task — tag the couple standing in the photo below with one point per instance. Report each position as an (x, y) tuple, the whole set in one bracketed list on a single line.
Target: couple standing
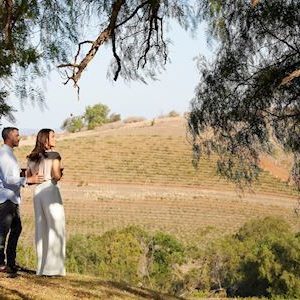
[(44, 170)]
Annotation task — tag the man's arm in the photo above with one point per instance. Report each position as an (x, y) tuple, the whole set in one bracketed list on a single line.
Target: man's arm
[(11, 172)]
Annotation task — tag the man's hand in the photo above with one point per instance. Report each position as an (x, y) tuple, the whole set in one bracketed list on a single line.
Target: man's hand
[(35, 179)]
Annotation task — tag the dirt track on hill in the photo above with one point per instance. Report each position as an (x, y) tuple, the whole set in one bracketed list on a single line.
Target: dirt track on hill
[(178, 210), (134, 191)]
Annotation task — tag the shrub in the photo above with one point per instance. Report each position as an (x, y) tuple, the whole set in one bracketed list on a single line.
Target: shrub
[(173, 114), (81, 256), (115, 256), (262, 259), (166, 252), (129, 255), (134, 119), (114, 118), (121, 254), (273, 259), (96, 115), (73, 124)]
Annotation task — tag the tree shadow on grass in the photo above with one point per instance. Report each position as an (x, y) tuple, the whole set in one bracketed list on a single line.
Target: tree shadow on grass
[(84, 288), (11, 294), (142, 293)]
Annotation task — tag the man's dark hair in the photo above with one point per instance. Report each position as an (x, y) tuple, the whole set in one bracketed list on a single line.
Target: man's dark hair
[(6, 131)]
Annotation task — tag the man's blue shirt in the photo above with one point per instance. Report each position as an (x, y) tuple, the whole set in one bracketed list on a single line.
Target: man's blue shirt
[(10, 180)]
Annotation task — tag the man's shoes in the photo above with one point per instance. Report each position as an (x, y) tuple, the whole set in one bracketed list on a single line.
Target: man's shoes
[(11, 269), (2, 268)]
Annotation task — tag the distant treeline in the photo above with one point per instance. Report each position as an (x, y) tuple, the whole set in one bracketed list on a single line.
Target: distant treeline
[(98, 115)]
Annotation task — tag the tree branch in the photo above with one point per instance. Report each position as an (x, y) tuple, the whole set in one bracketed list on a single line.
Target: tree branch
[(9, 4), (116, 56), (290, 77), (133, 14), (79, 48), (104, 36), (254, 2)]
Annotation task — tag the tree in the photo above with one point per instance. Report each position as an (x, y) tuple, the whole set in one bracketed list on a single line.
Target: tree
[(96, 115), (136, 31), (34, 36), (250, 93), (73, 124), (261, 260)]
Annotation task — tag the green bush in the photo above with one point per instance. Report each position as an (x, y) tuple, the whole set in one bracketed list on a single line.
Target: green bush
[(129, 255), (73, 124), (272, 266), (166, 252), (96, 115), (80, 254), (262, 259), (115, 256), (121, 254)]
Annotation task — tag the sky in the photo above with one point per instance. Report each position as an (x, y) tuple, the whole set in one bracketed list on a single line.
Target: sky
[(173, 91)]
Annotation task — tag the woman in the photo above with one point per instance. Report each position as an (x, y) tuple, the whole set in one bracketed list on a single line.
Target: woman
[(48, 207)]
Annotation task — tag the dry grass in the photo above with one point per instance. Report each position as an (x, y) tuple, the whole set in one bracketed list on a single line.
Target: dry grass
[(142, 174), (73, 286), (180, 211)]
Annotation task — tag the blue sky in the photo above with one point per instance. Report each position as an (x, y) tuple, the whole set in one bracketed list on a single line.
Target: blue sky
[(173, 91)]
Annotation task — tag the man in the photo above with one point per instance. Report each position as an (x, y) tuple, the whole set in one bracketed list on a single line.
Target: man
[(10, 185)]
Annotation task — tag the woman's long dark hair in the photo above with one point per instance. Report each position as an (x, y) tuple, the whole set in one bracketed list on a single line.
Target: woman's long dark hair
[(39, 149)]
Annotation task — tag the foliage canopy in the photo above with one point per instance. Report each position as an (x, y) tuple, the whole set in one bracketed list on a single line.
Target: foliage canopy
[(249, 94)]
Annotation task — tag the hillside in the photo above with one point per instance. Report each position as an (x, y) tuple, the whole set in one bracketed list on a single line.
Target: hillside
[(138, 174), (124, 174), (143, 154)]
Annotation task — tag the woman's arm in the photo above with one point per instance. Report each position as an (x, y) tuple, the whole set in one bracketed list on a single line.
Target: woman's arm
[(56, 172)]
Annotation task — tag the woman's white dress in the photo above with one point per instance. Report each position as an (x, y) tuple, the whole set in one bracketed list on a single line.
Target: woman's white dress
[(49, 222)]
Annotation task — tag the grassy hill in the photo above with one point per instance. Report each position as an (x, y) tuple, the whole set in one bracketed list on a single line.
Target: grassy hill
[(123, 174), (143, 154), (141, 174)]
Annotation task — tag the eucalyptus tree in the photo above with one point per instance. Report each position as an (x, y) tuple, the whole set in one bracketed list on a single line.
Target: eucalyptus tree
[(39, 35), (34, 36), (246, 95), (249, 94)]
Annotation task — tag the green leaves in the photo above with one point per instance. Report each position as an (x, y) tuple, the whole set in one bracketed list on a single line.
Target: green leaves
[(96, 115), (33, 36), (241, 97)]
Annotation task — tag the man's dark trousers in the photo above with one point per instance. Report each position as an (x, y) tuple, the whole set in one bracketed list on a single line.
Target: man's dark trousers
[(10, 223)]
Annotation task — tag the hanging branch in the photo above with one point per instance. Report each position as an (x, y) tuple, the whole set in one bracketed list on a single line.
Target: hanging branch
[(290, 77), (107, 34), (9, 22), (254, 2)]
